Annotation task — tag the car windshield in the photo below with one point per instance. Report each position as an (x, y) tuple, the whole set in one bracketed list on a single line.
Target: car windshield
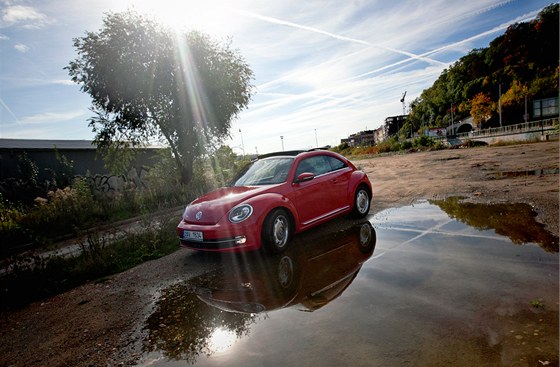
[(268, 171)]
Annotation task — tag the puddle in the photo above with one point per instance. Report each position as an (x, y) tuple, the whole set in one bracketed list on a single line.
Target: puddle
[(417, 288), (536, 172), (516, 221)]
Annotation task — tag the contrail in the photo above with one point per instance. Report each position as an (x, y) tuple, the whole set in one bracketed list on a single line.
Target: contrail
[(337, 36), (499, 28), (9, 111)]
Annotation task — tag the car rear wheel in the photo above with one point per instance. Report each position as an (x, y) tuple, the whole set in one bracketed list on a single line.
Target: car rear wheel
[(276, 231), (361, 203)]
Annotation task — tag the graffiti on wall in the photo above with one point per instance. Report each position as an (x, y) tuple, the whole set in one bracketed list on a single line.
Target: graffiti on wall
[(135, 178)]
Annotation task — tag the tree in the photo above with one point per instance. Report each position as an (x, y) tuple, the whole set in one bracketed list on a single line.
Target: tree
[(148, 82), (481, 108)]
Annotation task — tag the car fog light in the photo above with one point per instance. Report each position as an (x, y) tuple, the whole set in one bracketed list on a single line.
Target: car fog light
[(240, 240)]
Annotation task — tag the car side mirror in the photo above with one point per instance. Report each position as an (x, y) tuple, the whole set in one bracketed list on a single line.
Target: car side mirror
[(305, 176)]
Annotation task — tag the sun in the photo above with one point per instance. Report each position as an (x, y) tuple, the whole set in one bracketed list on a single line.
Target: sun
[(208, 16), (221, 340)]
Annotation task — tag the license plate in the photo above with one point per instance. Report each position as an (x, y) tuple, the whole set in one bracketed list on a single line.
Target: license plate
[(193, 236)]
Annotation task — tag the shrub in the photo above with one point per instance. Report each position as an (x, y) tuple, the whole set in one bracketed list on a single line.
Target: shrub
[(423, 141), (405, 145)]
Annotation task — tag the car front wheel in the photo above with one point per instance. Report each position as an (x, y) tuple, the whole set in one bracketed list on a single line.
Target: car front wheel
[(361, 203), (276, 231)]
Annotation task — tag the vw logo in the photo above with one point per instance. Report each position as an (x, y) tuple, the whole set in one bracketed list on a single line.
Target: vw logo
[(198, 215)]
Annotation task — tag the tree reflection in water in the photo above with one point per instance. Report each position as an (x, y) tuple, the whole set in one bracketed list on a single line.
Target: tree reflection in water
[(516, 221), (184, 328)]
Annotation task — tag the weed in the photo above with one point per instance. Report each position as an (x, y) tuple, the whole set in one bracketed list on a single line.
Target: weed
[(537, 303)]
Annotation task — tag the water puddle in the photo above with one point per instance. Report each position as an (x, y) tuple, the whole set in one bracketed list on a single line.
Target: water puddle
[(536, 172), (411, 286), (516, 221)]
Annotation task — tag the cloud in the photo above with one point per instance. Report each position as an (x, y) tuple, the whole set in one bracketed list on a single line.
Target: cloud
[(52, 117), (21, 47), (4, 37), (42, 118), (24, 16)]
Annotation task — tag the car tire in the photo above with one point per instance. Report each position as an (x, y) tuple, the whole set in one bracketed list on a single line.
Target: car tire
[(286, 274), (276, 231), (367, 238), (362, 202)]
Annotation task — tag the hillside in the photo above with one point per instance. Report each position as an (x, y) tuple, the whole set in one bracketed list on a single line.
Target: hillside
[(524, 61)]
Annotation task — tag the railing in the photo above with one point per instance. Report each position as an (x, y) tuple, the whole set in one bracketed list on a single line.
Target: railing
[(527, 127)]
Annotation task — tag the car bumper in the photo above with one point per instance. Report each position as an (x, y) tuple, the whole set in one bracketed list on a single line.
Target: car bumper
[(216, 238)]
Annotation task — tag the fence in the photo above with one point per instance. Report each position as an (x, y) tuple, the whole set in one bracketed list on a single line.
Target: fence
[(527, 127)]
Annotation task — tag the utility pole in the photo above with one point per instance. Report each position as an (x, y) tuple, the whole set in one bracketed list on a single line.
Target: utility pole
[(500, 102), (526, 115), (452, 127)]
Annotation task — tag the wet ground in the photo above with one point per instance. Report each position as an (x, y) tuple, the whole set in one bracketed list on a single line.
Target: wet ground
[(433, 284)]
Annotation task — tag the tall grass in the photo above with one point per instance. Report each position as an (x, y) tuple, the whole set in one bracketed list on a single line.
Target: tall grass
[(76, 208), (34, 278)]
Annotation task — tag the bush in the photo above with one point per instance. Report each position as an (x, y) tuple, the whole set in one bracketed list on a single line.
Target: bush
[(405, 145), (423, 141)]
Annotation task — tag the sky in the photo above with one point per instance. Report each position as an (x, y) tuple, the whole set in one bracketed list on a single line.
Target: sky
[(324, 69)]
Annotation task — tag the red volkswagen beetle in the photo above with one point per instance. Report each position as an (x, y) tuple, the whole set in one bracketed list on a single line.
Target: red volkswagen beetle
[(273, 198)]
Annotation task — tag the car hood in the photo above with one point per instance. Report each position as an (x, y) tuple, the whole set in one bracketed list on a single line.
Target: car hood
[(214, 205)]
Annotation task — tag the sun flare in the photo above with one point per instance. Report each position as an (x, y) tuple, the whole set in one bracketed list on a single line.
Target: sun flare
[(209, 16), (221, 340)]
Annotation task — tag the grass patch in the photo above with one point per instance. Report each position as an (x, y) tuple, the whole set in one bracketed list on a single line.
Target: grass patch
[(36, 278)]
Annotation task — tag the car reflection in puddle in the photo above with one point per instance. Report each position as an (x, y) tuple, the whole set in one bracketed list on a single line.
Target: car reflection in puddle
[(307, 276), (435, 291)]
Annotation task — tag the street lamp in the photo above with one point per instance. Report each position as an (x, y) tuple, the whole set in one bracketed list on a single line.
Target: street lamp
[(242, 145), (316, 141), (282, 139)]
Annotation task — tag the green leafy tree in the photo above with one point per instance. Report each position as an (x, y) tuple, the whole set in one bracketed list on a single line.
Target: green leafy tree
[(149, 83)]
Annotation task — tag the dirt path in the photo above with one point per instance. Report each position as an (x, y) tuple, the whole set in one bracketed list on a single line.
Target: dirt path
[(101, 324)]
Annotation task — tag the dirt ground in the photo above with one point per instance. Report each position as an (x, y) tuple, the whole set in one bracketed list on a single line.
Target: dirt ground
[(100, 324)]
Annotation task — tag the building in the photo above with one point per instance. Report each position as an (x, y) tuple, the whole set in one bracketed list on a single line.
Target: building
[(545, 108), (46, 155), (393, 124), (361, 139)]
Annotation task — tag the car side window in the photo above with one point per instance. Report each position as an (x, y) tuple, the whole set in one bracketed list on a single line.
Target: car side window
[(336, 164), (317, 165), (304, 166)]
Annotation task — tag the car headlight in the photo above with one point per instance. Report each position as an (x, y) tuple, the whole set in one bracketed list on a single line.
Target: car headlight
[(240, 213)]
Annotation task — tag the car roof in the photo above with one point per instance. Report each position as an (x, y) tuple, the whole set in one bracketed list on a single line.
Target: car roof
[(289, 153)]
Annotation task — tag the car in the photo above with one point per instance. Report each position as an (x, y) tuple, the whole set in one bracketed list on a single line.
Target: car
[(273, 198)]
